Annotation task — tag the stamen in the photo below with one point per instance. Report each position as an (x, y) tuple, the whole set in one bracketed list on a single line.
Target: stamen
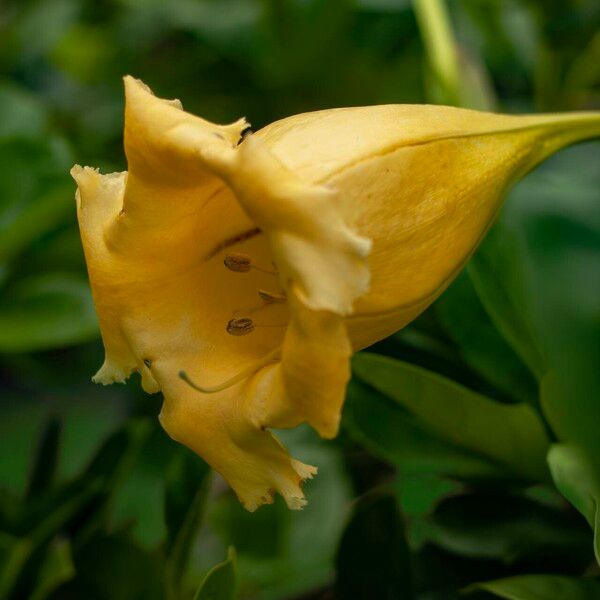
[(242, 263), (241, 326), (267, 299), (244, 325), (247, 372), (271, 298)]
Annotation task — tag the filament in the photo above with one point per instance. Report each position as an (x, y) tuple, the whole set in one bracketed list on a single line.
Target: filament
[(271, 298), (267, 298), (245, 325), (263, 269)]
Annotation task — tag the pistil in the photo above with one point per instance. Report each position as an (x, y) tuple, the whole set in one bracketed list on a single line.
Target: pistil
[(272, 356)]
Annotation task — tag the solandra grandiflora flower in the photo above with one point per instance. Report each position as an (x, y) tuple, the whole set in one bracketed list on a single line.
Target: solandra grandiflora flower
[(237, 272)]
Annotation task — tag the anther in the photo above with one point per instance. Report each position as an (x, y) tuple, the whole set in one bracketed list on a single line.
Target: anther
[(271, 298), (242, 263), (241, 326)]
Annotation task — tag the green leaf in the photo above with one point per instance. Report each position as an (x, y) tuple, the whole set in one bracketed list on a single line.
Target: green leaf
[(34, 220), (555, 213), (578, 478), (82, 52), (140, 501), (19, 562), (187, 476), (384, 6), (419, 493), (496, 277), (62, 516), (541, 587), (109, 468), (46, 311), (11, 506), (27, 115), (393, 434), (509, 434), (262, 535), (26, 549), (308, 538), (113, 459), (522, 530), (570, 317), (187, 486), (481, 345), (57, 568), (35, 192), (113, 568), (52, 18), (46, 459), (14, 553), (373, 559), (61, 250), (220, 582), (283, 553)]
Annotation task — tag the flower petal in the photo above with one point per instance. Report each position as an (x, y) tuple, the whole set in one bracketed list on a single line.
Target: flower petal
[(99, 201), (314, 249), (309, 383), (217, 427), (154, 326)]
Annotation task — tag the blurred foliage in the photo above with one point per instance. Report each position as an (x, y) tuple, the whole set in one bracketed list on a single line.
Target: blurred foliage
[(470, 449)]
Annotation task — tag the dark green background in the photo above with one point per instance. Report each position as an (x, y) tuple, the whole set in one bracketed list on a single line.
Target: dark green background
[(435, 514)]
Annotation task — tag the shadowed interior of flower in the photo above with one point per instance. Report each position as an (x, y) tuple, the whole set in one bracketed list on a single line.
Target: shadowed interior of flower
[(237, 273)]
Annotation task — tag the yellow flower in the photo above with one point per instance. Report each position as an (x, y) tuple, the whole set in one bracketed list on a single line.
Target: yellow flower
[(251, 266)]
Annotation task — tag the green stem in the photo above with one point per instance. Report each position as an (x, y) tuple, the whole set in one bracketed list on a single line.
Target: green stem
[(434, 23)]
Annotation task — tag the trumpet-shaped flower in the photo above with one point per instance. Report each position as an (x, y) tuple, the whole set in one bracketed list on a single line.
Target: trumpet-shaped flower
[(237, 272)]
